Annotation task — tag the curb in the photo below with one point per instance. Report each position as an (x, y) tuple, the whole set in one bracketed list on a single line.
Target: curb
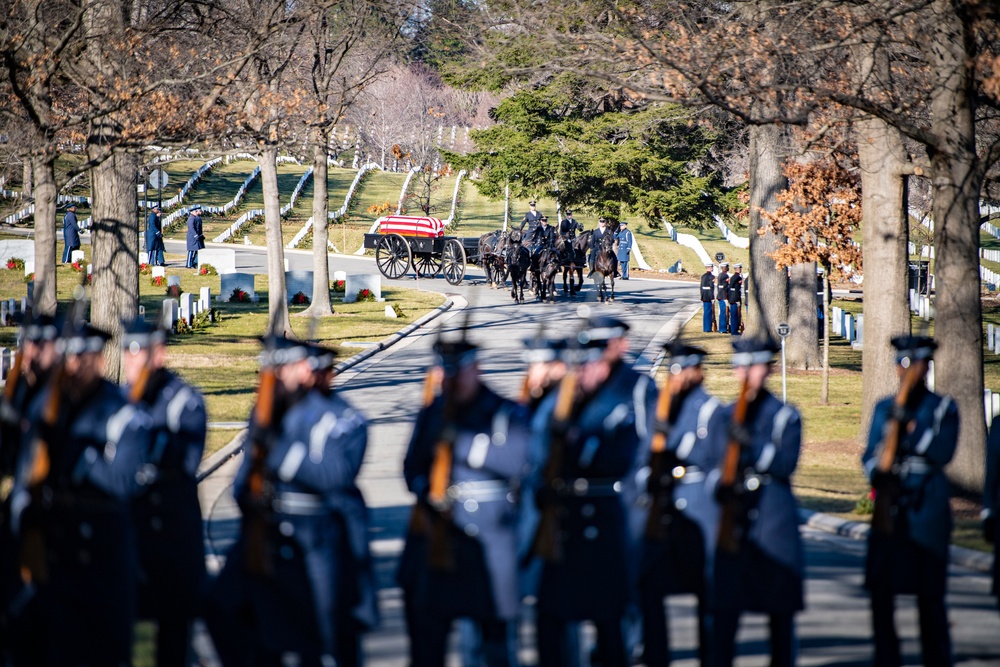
[(858, 530), (216, 460)]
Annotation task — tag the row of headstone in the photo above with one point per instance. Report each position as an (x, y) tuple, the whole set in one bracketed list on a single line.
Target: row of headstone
[(9, 309), (848, 326), (993, 338), (186, 308), (991, 401), (921, 305)]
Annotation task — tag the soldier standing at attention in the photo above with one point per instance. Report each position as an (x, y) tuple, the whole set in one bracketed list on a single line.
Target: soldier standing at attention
[(463, 463), (682, 520), (282, 594), (759, 560), (735, 296), (154, 237), (722, 296), (195, 237), (166, 513), (71, 234), (569, 226), (912, 439), (587, 436), (71, 517), (708, 300), (625, 240), (530, 220)]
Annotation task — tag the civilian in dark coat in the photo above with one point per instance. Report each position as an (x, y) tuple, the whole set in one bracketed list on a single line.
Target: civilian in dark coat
[(195, 236), (71, 234), (154, 237), (166, 513), (913, 557)]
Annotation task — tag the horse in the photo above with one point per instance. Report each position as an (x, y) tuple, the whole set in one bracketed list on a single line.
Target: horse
[(605, 266), (517, 259), (545, 270), (491, 258), (574, 258)]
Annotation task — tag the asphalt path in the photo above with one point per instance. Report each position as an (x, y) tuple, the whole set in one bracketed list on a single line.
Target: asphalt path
[(834, 629)]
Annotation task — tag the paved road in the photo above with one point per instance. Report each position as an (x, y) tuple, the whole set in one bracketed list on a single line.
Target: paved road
[(833, 630)]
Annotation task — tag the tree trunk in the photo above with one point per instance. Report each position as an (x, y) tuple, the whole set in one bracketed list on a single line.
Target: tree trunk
[(115, 251), (277, 293), (768, 285), (321, 232), (27, 180), (957, 179), (824, 393), (44, 295), (803, 342)]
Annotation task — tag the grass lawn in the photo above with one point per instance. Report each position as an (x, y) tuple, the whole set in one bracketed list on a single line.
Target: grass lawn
[(661, 252), (179, 172), (714, 242), (338, 182)]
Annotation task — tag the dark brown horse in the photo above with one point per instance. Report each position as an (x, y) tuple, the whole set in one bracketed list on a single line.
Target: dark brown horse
[(517, 259), (573, 255), (491, 254), (605, 267)]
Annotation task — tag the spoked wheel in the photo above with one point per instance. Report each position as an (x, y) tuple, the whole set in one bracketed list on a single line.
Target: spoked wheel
[(453, 262), (392, 255), (427, 265)]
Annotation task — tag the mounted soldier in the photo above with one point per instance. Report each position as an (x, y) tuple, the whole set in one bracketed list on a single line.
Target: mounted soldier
[(530, 221), (569, 226)]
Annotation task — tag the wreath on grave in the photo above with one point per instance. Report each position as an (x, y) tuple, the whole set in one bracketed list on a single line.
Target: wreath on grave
[(76, 266), (300, 299), (145, 269), (30, 278), (339, 286), (365, 295), (207, 270), (158, 281), (15, 263), (239, 295)]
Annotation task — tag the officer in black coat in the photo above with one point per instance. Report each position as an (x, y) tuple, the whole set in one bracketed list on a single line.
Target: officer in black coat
[(195, 237), (463, 464), (708, 299), (585, 445), (759, 563), (70, 512), (597, 239), (908, 544), (722, 296), (681, 516), (154, 237), (71, 234), (569, 226), (166, 513), (735, 296), (289, 586), (530, 220), (544, 235)]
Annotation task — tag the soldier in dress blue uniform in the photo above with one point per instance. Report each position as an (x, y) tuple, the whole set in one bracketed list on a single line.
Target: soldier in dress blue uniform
[(625, 240), (542, 236), (722, 295), (195, 237), (70, 511), (463, 464), (291, 578), (762, 569), (707, 299), (71, 234), (569, 226), (682, 516), (531, 220), (166, 514), (546, 368), (735, 296), (583, 468), (154, 237), (912, 556)]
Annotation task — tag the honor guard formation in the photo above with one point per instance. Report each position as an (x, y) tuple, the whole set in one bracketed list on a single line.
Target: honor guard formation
[(592, 498)]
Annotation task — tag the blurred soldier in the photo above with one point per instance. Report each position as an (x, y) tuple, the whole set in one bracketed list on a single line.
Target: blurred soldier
[(463, 464), (682, 519), (708, 300), (587, 436), (759, 559), (735, 296), (71, 234), (569, 226), (70, 512), (723, 297), (991, 499), (289, 587), (27, 377), (154, 237), (625, 240), (195, 237), (912, 439), (530, 220), (546, 369), (166, 514)]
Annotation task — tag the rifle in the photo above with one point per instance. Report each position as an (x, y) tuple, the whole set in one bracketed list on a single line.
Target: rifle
[(548, 537), (259, 483), (660, 483), (441, 556), (887, 488), (730, 522)]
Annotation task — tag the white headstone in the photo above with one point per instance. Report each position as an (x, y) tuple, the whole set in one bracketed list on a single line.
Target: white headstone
[(859, 327), (169, 313), (246, 240), (205, 298), (390, 312), (5, 362), (340, 275), (4, 314), (989, 337), (231, 281), (299, 281), (90, 269), (996, 341), (988, 406), (173, 281), (160, 271), (835, 321), (996, 404), (144, 257), (16, 248), (355, 282), (849, 328), (29, 267), (286, 264), (187, 307), (76, 256), (223, 259)]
